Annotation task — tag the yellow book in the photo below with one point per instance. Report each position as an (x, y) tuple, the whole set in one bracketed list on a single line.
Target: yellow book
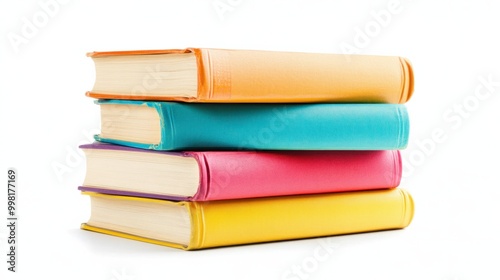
[(193, 225)]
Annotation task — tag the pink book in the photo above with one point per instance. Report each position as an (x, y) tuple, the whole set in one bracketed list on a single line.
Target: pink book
[(220, 175)]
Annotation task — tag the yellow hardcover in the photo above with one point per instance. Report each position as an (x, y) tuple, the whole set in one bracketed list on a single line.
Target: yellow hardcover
[(245, 221), (292, 77)]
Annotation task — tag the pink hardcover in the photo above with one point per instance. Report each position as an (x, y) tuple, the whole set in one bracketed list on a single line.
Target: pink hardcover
[(230, 175), (246, 174)]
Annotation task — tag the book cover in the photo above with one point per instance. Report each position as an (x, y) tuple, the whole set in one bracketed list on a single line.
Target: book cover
[(254, 76), (201, 126), (224, 175), (245, 221)]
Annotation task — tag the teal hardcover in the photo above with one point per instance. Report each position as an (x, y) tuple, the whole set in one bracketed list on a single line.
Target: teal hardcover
[(316, 126)]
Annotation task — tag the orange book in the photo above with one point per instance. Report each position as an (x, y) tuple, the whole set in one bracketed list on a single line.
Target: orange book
[(250, 76)]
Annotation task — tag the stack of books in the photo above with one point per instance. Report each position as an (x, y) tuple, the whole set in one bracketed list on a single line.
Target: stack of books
[(204, 148)]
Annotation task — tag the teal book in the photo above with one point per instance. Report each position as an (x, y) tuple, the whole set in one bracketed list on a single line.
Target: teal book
[(160, 125)]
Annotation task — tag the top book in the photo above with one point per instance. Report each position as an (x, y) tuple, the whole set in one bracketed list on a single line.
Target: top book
[(250, 76)]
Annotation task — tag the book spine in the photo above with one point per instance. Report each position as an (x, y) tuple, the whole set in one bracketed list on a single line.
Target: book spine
[(268, 77), (295, 217), (198, 232), (245, 174), (319, 126)]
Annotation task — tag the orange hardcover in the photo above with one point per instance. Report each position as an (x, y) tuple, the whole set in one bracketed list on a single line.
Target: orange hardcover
[(255, 76)]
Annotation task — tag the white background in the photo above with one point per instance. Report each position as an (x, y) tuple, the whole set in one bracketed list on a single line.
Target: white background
[(453, 45)]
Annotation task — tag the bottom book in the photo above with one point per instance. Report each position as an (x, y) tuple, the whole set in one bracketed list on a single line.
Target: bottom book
[(191, 225)]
